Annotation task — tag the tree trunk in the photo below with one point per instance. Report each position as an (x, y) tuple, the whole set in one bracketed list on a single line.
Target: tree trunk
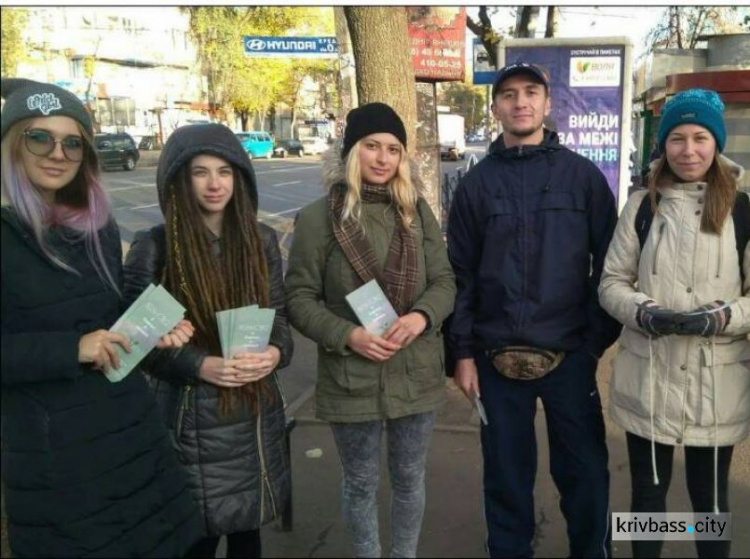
[(428, 146), (381, 52), (552, 13), (243, 119), (293, 123), (380, 42), (272, 120), (526, 21)]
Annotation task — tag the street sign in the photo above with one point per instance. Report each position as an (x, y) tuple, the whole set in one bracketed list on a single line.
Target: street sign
[(437, 42), (484, 72), (290, 47)]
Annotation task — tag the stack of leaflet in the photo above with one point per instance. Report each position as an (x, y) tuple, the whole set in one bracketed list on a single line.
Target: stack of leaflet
[(149, 318), (246, 329), (372, 307)]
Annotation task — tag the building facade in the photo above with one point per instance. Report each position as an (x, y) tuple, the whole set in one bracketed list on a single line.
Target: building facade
[(723, 66), (135, 67)]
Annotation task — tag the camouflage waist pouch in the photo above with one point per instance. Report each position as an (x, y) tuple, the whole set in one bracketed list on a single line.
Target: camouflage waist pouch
[(524, 363)]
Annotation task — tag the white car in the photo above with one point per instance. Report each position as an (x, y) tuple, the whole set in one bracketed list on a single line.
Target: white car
[(314, 145)]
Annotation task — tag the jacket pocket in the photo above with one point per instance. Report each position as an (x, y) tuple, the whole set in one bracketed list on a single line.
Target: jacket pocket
[(502, 220), (352, 375), (425, 366), (630, 387), (561, 201), (725, 383), (182, 406)]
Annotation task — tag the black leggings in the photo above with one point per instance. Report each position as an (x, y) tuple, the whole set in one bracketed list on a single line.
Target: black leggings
[(239, 544), (699, 470)]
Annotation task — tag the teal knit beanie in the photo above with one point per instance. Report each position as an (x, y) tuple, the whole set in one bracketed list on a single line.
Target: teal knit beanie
[(694, 106)]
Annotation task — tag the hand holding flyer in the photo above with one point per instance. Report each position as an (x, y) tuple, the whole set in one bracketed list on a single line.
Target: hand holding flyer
[(372, 307), (246, 329), (149, 318)]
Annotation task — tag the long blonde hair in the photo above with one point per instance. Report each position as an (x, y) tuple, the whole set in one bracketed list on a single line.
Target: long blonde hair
[(404, 192)]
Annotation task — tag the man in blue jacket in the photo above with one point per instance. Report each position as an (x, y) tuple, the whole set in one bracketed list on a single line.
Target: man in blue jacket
[(528, 232)]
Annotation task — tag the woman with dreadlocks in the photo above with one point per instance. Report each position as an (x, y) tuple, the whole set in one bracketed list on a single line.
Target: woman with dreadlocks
[(226, 415)]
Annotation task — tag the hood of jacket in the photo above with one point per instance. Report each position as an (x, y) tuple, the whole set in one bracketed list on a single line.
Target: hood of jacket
[(197, 139), (334, 171)]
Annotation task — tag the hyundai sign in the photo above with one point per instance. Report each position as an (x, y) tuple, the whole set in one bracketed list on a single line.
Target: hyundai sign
[(291, 47)]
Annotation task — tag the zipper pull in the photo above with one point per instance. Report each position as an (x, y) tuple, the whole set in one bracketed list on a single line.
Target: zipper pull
[(186, 398)]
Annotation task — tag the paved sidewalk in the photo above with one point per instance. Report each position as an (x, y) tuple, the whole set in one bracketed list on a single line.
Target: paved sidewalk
[(453, 524)]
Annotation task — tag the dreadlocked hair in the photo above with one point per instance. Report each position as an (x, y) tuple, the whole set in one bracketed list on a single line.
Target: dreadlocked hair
[(205, 282)]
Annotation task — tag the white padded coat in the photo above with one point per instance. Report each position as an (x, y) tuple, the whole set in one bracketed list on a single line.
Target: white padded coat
[(674, 389)]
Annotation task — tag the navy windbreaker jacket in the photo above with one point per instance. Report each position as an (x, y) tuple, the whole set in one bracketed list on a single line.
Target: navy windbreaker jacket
[(528, 231)]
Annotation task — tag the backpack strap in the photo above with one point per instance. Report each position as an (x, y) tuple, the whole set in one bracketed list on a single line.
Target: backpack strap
[(644, 217), (741, 217)]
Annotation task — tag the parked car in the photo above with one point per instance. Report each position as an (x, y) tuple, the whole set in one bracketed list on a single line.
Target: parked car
[(116, 150), (288, 147), (256, 143), (314, 145)]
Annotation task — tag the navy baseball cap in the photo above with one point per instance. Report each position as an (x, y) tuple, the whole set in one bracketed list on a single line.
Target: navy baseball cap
[(520, 68)]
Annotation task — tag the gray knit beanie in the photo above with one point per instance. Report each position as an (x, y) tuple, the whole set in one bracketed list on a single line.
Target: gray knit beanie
[(30, 99)]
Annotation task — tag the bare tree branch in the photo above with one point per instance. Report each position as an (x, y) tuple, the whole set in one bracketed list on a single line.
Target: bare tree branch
[(483, 30)]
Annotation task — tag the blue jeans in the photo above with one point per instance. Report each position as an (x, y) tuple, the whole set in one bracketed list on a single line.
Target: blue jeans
[(578, 456), (359, 450)]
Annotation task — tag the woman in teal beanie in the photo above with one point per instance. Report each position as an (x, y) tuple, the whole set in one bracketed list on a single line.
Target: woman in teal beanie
[(681, 288)]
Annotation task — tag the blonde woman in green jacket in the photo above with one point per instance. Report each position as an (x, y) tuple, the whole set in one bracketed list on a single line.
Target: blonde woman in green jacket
[(374, 225)]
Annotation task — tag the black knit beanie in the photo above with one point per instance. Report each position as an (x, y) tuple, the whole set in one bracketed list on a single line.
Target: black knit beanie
[(198, 139), (371, 118), (30, 99)]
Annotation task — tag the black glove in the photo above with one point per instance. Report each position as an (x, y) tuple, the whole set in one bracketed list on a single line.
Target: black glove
[(655, 320), (707, 320)]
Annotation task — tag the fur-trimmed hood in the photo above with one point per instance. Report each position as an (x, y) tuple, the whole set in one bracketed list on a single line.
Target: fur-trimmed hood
[(334, 170)]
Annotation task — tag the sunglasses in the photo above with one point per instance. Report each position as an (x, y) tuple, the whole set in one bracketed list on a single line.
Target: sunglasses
[(42, 143)]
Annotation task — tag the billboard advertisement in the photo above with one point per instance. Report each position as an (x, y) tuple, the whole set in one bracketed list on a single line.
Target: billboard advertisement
[(437, 37), (590, 92)]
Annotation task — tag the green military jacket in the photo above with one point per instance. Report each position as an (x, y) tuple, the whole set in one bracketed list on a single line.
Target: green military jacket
[(351, 388)]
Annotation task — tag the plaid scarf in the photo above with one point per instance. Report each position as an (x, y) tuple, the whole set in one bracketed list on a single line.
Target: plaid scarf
[(399, 278)]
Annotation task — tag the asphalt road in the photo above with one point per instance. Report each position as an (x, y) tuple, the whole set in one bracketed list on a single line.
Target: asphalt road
[(284, 186)]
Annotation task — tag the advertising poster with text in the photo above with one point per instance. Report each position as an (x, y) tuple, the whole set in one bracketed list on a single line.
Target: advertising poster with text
[(437, 37), (586, 90)]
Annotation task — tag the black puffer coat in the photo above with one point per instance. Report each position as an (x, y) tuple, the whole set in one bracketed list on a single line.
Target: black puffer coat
[(87, 464), (238, 465)]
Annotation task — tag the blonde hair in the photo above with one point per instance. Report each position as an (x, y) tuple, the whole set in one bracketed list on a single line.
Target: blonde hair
[(403, 191)]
